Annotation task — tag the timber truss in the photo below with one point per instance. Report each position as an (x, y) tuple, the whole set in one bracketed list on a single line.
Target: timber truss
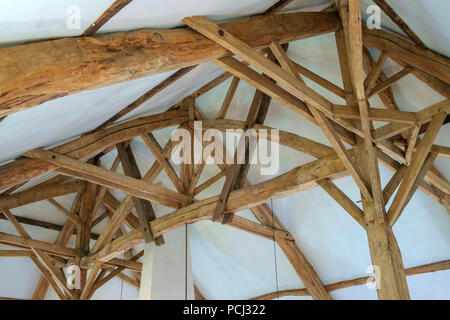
[(261, 42)]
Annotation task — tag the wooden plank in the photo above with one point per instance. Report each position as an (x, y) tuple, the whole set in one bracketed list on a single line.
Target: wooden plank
[(280, 4), (22, 170), (386, 96), (122, 210), (90, 282), (258, 229), (393, 184), (425, 167), (355, 58), (300, 263), (196, 178), (288, 139), (44, 225), (105, 17), (414, 168), (209, 182), (134, 187), (101, 194), (291, 82), (49, 277), (40, 70), (144, 208), (265, 85), (100, 282), (237, 175), (198, 295), (210, 85)]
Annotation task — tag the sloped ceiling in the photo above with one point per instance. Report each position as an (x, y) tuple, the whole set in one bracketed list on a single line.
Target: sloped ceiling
[(228, 263)]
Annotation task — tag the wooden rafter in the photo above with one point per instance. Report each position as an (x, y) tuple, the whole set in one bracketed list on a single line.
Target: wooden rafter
[(300, 178), (22, 170), (417, 57), (280, 4)]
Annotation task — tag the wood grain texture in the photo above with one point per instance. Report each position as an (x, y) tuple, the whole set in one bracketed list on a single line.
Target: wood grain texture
[(35, 73)]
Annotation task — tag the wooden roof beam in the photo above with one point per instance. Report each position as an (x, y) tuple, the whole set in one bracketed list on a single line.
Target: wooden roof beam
[(147, 52)]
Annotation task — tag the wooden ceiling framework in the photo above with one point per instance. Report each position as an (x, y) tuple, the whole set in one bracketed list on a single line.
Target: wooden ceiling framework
[(261, 42)]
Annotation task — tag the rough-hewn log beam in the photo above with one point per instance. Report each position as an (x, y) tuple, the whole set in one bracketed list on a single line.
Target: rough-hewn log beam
[(39, 72)]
